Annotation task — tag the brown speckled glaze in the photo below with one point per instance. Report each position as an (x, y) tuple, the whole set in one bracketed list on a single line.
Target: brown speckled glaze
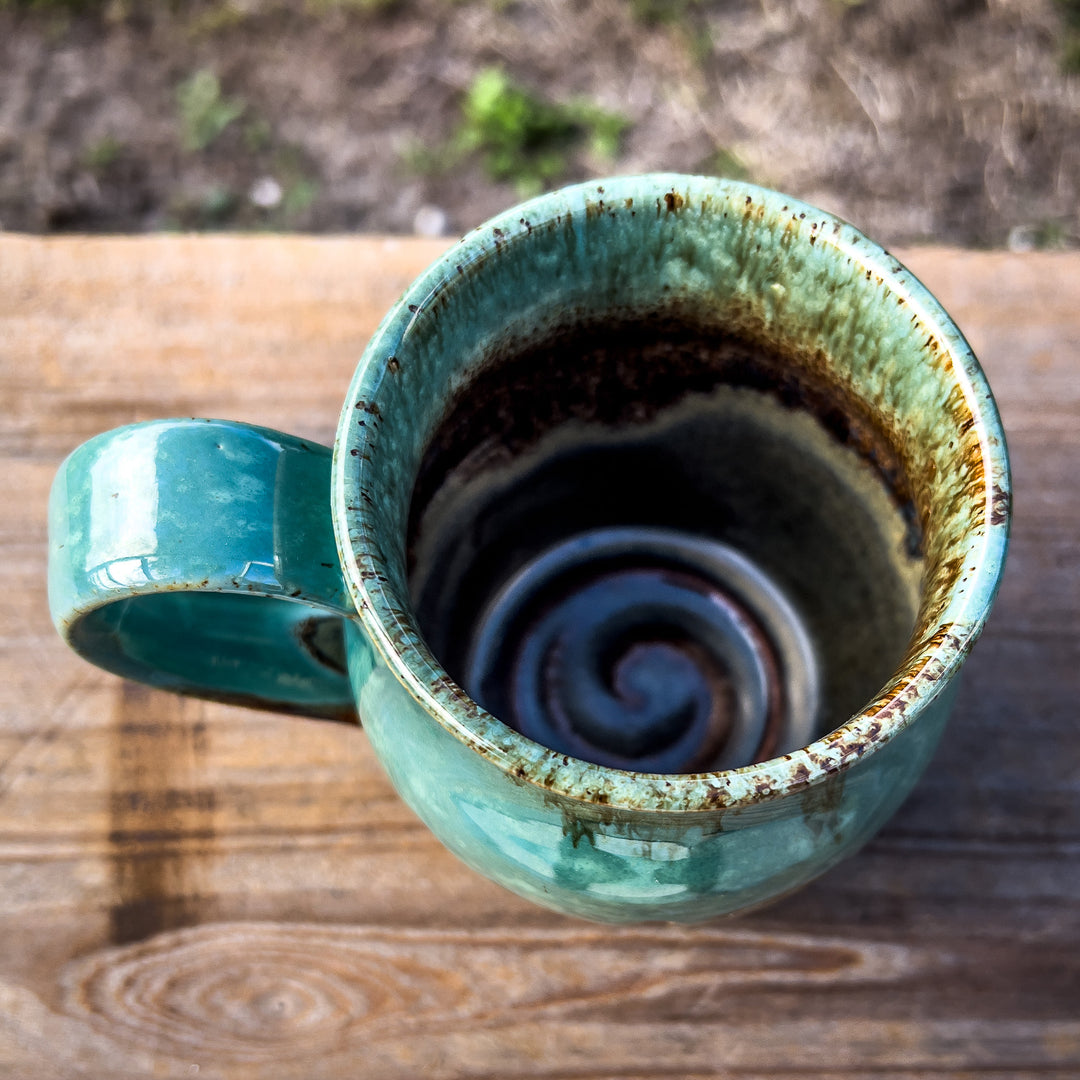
[(852, 323)]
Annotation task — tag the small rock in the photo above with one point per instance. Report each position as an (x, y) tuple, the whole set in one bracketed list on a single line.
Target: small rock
[(266, 193), (429, 221), (1021, 238)]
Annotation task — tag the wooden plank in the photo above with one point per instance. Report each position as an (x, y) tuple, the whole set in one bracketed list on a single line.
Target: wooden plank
[(185, 884)]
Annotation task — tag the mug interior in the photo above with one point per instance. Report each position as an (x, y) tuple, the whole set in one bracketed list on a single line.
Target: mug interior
[(807, 351)]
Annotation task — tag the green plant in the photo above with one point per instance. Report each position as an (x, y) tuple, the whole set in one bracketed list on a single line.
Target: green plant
[(422, 159), (217, 19), (726, 163), (1070, 55), (218, 205), (285, 168), (1069, 44), (1050, 235), (258, 134), (214, 207), (299, 195), (364, 6), (62, 6), (657, 12), (204, 111), (98, 155), (522, 138), (685, 19)]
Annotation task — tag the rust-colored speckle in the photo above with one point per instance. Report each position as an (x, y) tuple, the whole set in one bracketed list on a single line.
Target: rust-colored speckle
[(1000, 504), (575, 828), (938, 474), (393, 365), (821, 805), (916, 660)]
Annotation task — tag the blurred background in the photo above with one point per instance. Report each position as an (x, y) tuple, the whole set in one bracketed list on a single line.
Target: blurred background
[(952, 121)]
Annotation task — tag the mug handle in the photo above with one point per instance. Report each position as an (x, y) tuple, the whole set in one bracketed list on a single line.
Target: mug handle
[(199, 556)]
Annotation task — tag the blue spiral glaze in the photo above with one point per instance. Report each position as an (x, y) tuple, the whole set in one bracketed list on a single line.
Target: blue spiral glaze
[(646, 649)]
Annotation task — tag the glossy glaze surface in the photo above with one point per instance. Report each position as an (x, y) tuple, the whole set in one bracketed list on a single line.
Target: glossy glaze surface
[(198, 555), (788, 277)]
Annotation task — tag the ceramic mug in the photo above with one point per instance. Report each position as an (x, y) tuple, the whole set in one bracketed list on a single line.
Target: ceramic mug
[(662, 514)]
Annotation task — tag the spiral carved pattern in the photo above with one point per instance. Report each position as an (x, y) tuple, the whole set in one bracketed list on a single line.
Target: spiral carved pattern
[(647, 649)]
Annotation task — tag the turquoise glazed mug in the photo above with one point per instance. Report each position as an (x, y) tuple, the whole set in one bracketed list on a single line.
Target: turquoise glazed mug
[(662, 514)]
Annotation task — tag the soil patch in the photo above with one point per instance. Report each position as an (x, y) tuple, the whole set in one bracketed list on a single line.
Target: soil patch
[(950, 120)]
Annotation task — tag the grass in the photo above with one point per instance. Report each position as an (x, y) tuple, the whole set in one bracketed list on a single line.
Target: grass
[(98, 155), (663, 12), (726, 163), (251, 151), (63, 7), (1069, 44), (1050, 235), (204, 111), (520, 137), (363, 6), (212, 18), (685, 19)]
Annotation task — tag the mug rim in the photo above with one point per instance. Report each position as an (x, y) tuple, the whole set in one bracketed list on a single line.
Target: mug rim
[(913, 684)]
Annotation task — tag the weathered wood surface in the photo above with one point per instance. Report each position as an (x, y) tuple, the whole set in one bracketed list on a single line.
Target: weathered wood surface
[(190, 888)]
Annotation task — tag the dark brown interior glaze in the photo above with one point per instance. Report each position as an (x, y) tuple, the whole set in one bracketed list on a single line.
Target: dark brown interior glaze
[(665, 422)]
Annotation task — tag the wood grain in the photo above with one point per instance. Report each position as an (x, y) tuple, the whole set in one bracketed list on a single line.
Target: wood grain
[(188, 888)]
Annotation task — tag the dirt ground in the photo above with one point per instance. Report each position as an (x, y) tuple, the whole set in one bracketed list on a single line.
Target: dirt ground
[(945, 120)]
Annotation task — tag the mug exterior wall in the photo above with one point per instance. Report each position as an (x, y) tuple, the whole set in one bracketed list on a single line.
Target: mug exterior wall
[(236, 560), (624, 865), (621, 846)]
